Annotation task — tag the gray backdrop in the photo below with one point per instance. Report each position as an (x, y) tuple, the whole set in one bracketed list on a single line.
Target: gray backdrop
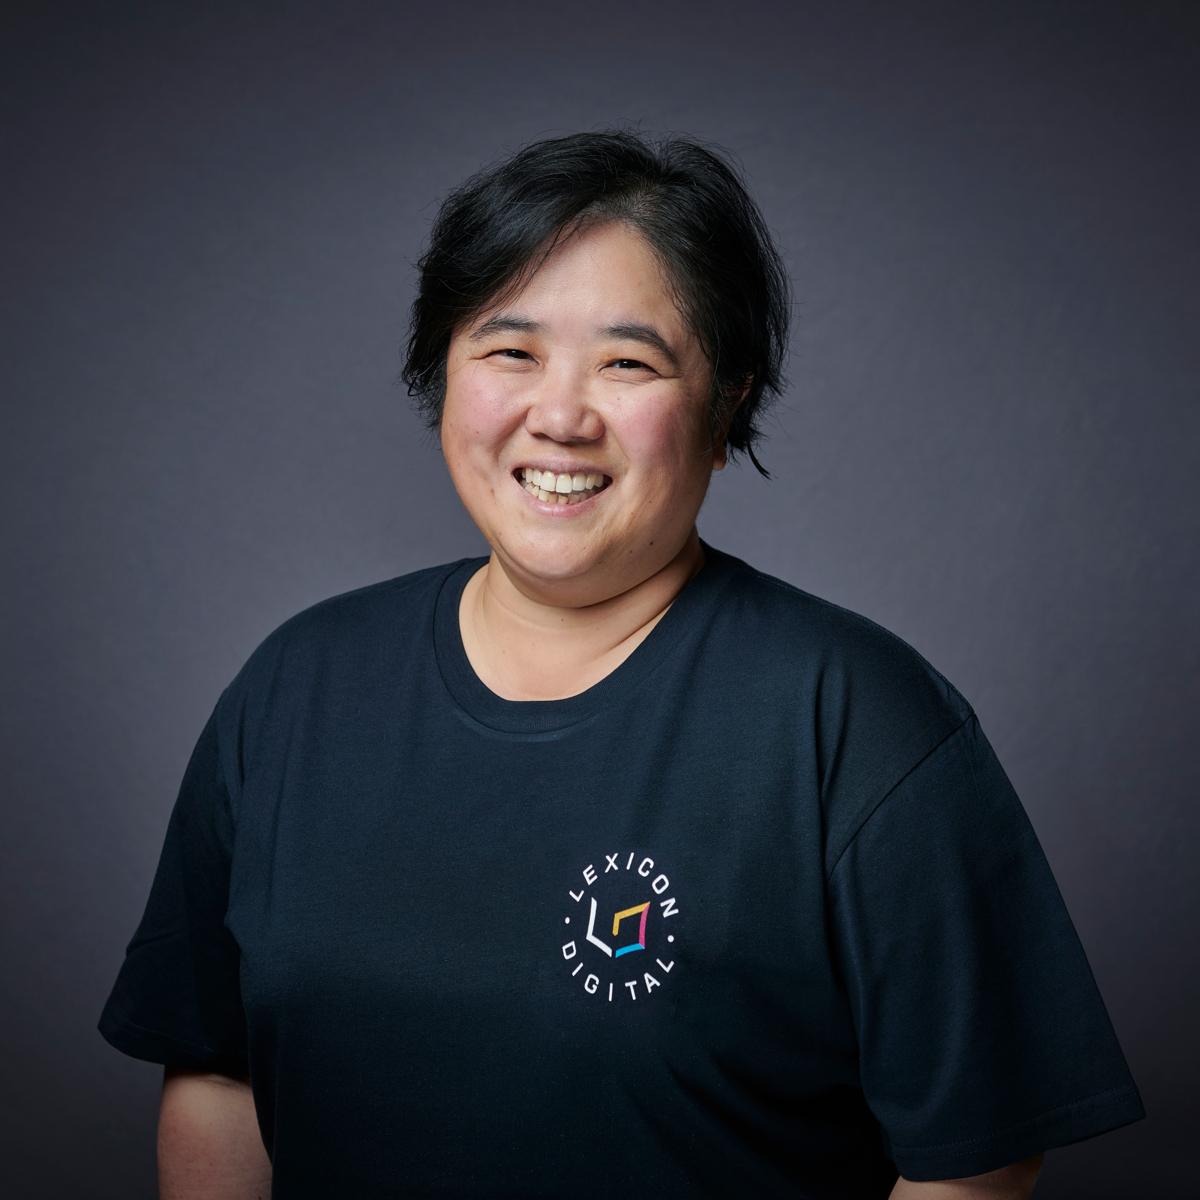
[(209, 218)]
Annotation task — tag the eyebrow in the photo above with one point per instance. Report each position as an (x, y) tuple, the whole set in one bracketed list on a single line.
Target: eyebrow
[(507, 325), (646, 334)]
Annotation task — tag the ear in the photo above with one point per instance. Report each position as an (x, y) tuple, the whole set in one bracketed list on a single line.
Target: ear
[(720, 448)]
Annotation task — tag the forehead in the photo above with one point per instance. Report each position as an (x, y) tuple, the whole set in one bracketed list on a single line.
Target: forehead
[(605, 276)]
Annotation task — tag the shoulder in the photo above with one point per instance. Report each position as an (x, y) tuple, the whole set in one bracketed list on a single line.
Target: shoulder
[(340, 636), (393, 603), (868, 704), (849, 659)]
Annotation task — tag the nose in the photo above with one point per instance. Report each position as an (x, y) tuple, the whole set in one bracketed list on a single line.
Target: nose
[(562, 412)]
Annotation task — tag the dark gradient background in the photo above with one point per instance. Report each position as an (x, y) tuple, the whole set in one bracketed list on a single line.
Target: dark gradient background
[(209, 217)]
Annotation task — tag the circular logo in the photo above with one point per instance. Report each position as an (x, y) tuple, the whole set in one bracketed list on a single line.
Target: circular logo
[(619, 929)]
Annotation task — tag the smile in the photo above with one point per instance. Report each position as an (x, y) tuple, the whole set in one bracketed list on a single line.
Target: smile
[(552, 488)]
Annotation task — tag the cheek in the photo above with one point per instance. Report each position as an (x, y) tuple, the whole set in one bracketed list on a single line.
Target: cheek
[(478, 415), (666, 436)]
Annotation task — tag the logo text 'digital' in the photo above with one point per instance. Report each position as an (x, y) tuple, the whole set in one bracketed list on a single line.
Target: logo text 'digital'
[(625, 915)]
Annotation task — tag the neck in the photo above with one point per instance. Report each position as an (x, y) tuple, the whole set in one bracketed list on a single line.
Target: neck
[(524, 648)]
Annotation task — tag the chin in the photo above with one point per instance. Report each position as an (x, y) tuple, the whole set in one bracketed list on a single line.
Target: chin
[(553, 570)]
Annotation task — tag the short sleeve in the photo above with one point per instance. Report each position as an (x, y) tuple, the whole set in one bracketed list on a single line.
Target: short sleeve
[(982, 1037), (177, 999)]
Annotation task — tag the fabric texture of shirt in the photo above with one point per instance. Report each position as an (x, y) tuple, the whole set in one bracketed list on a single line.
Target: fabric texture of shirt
[(759, 914)]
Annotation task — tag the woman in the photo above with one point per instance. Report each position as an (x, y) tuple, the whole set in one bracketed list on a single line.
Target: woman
[(606, 862)]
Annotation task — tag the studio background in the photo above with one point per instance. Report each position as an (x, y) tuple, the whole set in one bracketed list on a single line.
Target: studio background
[(209, 217)]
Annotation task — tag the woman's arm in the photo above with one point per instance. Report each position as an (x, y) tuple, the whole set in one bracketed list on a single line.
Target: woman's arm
[(209, 1147), (1009, 1183)]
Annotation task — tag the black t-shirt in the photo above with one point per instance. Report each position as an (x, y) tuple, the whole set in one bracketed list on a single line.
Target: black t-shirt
[(759, 915)]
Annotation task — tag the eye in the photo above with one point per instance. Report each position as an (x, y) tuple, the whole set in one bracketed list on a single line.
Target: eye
[(511, 353), (631, 364)]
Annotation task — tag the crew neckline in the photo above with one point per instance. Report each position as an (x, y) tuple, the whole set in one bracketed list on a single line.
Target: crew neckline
[(534, 717)]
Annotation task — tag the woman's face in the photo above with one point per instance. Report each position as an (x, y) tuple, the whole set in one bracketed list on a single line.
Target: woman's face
[(588, 381)]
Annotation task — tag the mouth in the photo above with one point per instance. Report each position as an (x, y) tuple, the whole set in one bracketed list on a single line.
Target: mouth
[(558, 488)]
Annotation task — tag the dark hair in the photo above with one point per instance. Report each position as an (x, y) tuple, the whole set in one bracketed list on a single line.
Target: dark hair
[(685, 199)]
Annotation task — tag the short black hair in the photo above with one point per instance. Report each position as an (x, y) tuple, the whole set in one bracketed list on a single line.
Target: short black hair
[(686, 199)]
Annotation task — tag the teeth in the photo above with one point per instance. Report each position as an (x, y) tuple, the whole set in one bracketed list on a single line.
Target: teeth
[(552, 488)]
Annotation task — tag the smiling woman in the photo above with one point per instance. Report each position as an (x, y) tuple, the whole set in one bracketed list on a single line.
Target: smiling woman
[(548, 384), (606, 863)]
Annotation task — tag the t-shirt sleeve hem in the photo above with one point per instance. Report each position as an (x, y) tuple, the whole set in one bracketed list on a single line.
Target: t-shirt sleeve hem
[(151, 1045), (1060, 1127)]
